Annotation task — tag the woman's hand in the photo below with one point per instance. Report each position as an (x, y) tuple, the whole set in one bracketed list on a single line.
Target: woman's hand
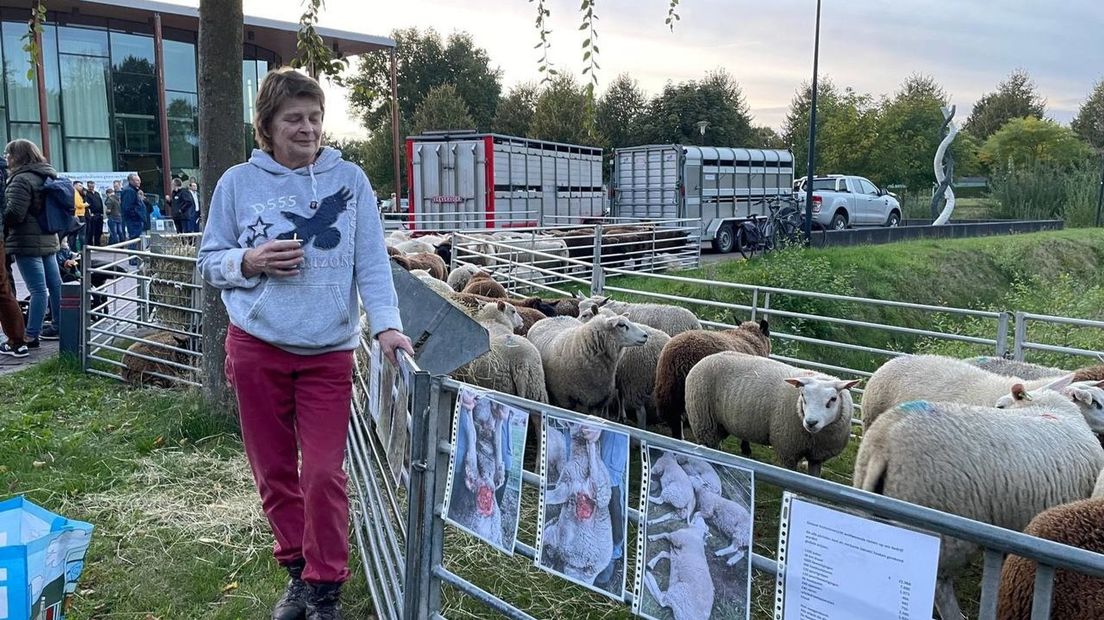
[(279, 258), (391, 340)]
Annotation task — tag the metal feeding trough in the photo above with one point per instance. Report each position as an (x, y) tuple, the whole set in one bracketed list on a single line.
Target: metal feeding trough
[(444, 337)]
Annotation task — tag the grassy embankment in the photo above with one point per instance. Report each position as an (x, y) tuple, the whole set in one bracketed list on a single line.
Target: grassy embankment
[(179, 533)]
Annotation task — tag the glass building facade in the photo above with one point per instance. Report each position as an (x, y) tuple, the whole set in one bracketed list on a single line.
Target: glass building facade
[(101, 94)]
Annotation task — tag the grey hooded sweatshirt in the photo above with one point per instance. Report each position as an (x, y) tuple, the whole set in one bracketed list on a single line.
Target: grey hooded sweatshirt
[(330, 206)]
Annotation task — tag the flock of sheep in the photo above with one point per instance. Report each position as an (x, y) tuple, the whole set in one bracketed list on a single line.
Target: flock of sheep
[(938, 431)]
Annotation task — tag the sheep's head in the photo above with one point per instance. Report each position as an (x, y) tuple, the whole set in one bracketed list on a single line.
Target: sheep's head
[(511, 314), (1087, 396), (759, 334), (588, 306), (822, 400), (692, 537), (628, 334)]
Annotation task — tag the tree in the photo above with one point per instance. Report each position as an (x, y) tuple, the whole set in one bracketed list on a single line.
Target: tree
[(673, 115), (907, 134), (795, 129), (377, 162), (1027, 141), (763, 137), (442, 108), (220, 147), (563, 113), (515, 111), (619, 112), (1016, 97), (1089, 122), (424, 61)]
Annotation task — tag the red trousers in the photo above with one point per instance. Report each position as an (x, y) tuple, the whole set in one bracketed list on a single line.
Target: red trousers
[(292, 405)]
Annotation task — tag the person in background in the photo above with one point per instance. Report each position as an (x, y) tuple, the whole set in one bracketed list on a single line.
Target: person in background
[(68, 263), (184, 208), (114, 217), (294, 280), (133, 208), (11, 317), (171, 203), (94, 217), (193, 189), (33, 249), (80, 209)]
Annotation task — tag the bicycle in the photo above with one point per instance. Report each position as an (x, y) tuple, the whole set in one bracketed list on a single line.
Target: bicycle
[(780, 227)]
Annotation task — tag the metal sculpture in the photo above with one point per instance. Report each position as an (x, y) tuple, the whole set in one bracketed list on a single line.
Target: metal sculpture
[(944, 170)]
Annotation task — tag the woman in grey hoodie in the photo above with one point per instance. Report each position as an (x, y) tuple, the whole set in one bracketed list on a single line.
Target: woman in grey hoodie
[(294, 242)]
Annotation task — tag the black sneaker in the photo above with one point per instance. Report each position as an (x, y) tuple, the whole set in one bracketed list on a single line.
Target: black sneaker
[(49, 333), (31, 344), (20, 351)]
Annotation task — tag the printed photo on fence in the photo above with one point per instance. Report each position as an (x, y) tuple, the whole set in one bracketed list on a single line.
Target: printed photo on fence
[(696, 523), (483, 493), (584, 504), (388, 392), (398, 446)]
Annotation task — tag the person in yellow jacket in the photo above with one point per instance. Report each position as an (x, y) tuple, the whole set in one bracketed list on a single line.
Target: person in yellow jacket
[(80, 207)]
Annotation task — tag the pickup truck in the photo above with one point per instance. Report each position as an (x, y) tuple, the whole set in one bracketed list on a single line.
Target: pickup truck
[(841, 201)]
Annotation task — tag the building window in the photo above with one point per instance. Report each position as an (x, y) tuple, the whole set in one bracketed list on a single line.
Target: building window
[(82, 41), (132, 53), (23, 89), (183, 134), (180, 66), (137, 134)]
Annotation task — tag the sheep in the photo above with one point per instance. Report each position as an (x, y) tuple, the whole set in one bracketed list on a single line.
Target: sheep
[(934, 377), (688, 348), (529, 318), (671, 320), (1012, 368), (1089, 373), (1098, 489), (393, 251), (675, 489), (414, 246), (444, 250), (580, 537), (700, 470), (636, 372), (513, 365), (481, 475), (580, 359), (546, 308), (732, 519), (752, 398), (458, 278), (940, 455), (436, 285), (1088, 396), (1076, 596), (483, 284), (429, 262), (690, 590), (164, 346)]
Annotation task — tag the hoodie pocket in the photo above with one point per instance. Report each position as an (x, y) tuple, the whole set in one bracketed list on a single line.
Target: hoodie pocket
[(301, 315)]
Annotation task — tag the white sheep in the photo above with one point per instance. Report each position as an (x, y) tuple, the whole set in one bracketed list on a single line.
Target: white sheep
[(690, 590), (434, 284), (482, 473), (1001, 467), (1088, 396), (731, 518), (1098, 488), (700, 470), (934, 378), (459, 277), (580, 537), (675, 489), (580, 359), (751, 397), (513, 365), (670, 320), (1012, 368), (636, 372), (414, 246)]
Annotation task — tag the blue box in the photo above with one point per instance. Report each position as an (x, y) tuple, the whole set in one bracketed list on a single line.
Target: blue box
[(41, 558)]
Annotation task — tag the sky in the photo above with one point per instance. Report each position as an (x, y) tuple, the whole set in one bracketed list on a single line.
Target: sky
[(968, 46)]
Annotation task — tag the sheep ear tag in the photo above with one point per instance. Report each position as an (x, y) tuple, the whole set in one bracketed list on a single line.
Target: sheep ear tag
[(1019, 392)]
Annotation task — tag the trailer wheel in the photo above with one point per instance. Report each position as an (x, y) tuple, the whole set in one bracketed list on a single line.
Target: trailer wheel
[(725, 241)]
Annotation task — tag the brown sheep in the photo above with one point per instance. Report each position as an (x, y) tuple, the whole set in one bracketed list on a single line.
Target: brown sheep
[(686, 349), (483, 284), (529, 316), (137, 370), (430, 262), (393, 251), (1076, 596), (1089, 373)]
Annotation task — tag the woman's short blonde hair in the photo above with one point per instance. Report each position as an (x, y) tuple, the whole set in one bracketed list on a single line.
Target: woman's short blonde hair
[(23, 152), (278, 87)]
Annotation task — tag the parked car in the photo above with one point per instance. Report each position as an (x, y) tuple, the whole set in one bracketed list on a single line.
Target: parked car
[(841, 201)]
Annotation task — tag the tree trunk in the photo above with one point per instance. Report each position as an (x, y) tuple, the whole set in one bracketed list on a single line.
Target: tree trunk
[(220, 147)]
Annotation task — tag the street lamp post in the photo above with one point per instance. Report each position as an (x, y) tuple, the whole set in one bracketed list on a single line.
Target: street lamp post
[(701, 130), (812, 137)]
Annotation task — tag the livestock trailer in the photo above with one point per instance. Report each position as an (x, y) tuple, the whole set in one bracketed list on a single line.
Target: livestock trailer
[(719, 186), (466, 180)]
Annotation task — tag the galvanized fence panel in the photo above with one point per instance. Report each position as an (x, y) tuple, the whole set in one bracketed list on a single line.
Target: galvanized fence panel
[(141, 311), (1048, 330), (427, 571)]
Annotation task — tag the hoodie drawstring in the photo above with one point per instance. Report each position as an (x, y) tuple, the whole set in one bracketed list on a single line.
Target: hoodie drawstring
[(314, 183)]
